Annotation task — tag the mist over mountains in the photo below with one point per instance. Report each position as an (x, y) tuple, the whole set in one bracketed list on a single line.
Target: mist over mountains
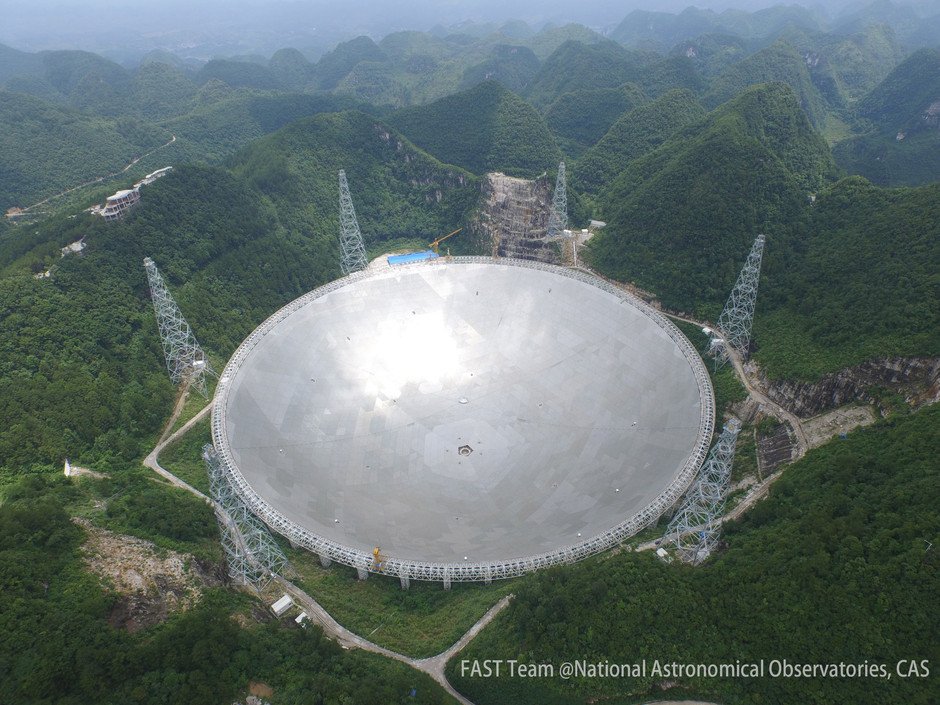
[(204, 30)]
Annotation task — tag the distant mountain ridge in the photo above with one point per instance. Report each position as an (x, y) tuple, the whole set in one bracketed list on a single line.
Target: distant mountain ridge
[(486, 128)]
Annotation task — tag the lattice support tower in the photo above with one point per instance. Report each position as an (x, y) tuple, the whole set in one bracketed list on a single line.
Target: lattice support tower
[(350, 238), (253, 556), (738, 315), (558, 218), (185, 359), (695, 529)]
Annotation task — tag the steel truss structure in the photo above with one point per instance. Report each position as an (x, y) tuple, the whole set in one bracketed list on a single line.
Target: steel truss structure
[(738, 315), (252, 554), (695, 528), (469, 571), (558, 218), (185, 359), (350, 238)]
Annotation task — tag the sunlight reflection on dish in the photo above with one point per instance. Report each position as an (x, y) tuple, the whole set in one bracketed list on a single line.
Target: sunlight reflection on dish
[(421, 350)]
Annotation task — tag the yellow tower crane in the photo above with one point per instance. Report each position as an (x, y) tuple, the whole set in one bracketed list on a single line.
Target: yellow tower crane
[(439, 240)]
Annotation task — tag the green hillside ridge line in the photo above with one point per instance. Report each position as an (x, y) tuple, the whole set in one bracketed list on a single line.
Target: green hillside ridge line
[(634, 134), (486, 128), (778, 62)]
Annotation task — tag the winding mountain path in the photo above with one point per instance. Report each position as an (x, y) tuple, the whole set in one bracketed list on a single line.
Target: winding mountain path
[(96, 180)]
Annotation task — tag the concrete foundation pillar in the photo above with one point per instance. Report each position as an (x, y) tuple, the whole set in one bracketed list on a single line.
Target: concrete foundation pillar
[(447, 581), (362, 573), (325, 561), (405, 581)]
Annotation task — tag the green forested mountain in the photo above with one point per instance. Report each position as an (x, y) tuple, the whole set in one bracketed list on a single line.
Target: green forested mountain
[(888, 161), (580, 118), (78, 79), (662, 30), (399, 191), (82, 372), (161, 91), (14, 62), (831, 568), (45, 148), (547, 41), (846, 67), (513, 66), (291, 69), (712, 53), (681, 217), (577, 66), (238, 74), (778, 62), (902, 143), (854, 281), (230, 119), (485, 128), (332, 67), (636, 133), (916, 25), (903, 99)]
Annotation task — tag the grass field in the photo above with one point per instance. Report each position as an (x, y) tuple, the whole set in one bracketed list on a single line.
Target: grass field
[(421, 621), (183, 458)]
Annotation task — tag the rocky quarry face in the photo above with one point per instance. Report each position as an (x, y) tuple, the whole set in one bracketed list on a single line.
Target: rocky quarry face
[(513, 218), (917, 380)]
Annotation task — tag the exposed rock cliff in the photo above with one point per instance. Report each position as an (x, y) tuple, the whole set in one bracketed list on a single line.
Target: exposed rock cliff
[(916, 379), (513, 218)]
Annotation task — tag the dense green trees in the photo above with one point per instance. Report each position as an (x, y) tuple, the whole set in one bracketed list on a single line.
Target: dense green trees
[(831, 568), (485, 128), (682, 217), (778, 62), (513, 66), (901, 140), (634, 134), (846, 278), (580, 118), (45, 148), (56, 644), (856, 282)]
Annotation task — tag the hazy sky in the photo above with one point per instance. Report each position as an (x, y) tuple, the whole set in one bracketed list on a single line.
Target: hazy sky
[(127, 29)]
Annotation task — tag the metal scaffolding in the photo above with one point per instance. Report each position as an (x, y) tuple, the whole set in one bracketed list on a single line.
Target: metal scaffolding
[(558, 218), (350, 238), (738, 316), (695, 528), (253, 555), (185, 360)]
